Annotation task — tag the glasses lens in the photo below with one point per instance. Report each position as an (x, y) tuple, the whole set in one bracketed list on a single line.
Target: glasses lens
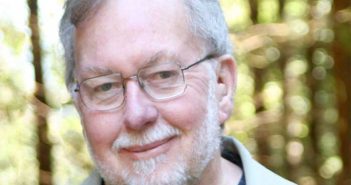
[(162, 81), (102, 93)]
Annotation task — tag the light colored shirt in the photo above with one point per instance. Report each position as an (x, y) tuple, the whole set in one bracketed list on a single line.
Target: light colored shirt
[(255, 173)]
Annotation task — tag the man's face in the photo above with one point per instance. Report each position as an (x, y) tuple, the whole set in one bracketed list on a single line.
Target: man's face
[(146, 141)]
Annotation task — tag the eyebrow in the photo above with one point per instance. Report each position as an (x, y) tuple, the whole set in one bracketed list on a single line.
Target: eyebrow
[(95, 71), (159, 57)]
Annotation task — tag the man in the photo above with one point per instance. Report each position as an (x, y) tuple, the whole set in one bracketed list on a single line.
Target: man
[(153, 83)]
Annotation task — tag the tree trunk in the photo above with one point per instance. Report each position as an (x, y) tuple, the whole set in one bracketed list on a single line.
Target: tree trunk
[(313, 150), (253, 10), (281, 9), (262, 132), (342, 55), (43, 146)]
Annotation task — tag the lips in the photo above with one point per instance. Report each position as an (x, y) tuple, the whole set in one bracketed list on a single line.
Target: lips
[(149, 150)]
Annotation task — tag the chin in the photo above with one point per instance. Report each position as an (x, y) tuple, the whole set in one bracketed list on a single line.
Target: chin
[(155, 171)]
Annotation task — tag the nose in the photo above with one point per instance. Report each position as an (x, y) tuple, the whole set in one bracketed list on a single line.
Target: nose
[(140, 111)]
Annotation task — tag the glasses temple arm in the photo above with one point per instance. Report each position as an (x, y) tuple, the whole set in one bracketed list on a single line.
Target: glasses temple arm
[(198, 62)]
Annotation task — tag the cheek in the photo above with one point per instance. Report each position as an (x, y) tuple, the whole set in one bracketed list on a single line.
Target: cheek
[(101, 129), (187, 111)]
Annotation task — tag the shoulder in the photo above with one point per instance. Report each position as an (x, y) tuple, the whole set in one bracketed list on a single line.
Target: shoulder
[(93, 179), (255, 173)]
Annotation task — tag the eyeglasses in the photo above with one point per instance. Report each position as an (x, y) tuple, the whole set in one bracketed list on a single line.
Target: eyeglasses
[(161, 82)]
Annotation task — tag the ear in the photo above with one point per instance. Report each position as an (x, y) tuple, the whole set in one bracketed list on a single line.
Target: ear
[(226, 84)]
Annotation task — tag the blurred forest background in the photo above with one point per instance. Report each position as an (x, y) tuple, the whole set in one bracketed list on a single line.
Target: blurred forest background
[(293, 102)]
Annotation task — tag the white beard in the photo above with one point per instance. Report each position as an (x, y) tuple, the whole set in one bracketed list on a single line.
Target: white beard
[(182, 171)]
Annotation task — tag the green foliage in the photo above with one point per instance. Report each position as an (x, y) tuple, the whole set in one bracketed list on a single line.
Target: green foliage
[(295, 9), (17, 156), (12, 37), (268, 11), (236, 13), (71, 161)]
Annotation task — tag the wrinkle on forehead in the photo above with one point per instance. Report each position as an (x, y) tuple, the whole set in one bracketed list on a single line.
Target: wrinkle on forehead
[(158, 58)]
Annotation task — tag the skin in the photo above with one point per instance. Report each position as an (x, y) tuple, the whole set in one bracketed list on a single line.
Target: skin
[(124, 36)]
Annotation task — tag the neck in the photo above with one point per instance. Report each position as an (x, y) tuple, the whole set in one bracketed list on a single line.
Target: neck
[(219, 172)]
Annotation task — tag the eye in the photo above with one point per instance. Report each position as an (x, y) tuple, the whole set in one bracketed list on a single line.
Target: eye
[(162, 76), (165, 74), (104, 87)]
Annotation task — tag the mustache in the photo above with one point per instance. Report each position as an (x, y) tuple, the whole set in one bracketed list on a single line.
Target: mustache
[(152, 134)]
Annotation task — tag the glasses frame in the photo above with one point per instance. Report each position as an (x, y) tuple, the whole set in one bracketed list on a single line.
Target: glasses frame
[(141, 85)]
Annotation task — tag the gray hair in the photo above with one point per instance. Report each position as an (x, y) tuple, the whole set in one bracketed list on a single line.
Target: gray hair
[(205, 19)]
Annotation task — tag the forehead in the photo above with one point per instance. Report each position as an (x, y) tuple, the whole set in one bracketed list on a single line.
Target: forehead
[(124, 34)]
